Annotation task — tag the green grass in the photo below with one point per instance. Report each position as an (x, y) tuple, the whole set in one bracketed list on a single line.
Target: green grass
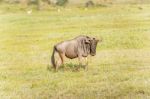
[(120, 70)]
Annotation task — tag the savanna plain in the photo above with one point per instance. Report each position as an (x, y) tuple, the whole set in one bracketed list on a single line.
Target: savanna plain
[(120, 69)]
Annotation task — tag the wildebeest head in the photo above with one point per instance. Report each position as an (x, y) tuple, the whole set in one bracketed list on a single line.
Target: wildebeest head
[(93, 46)]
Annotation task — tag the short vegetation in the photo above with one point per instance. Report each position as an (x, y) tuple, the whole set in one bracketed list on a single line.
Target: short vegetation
[(120, 70)]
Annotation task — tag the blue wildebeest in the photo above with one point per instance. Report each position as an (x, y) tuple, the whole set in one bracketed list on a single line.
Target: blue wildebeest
[(80, 47)]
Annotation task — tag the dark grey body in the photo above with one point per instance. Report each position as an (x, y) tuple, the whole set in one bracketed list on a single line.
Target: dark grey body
[(80, 46)]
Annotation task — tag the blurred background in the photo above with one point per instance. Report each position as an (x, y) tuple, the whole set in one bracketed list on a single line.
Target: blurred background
[(44, 4)]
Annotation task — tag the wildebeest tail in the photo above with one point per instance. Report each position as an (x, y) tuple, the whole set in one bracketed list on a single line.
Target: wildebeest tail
[(53, 57)]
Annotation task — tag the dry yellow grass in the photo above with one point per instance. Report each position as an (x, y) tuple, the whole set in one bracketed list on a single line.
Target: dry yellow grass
[(120, 70)]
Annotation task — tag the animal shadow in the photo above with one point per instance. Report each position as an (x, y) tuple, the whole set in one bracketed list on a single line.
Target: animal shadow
[(67, 67)]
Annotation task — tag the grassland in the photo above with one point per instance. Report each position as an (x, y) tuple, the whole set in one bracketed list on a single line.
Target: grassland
[(120, 70)]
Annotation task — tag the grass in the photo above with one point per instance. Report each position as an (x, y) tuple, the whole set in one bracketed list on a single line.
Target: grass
[(120, 70)]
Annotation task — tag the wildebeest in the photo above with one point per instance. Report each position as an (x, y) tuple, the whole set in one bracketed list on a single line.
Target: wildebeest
[(80, 47)]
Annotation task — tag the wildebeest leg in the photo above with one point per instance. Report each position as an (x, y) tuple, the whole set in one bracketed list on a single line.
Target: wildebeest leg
[(86, 63), (58, 61), (62, 55), (80, 60)]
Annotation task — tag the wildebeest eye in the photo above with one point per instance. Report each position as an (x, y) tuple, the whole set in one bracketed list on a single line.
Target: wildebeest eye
[(87, 41)]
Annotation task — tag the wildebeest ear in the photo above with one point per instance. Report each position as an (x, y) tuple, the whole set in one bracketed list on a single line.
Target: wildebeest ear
[(87, 37), (99, 40)]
